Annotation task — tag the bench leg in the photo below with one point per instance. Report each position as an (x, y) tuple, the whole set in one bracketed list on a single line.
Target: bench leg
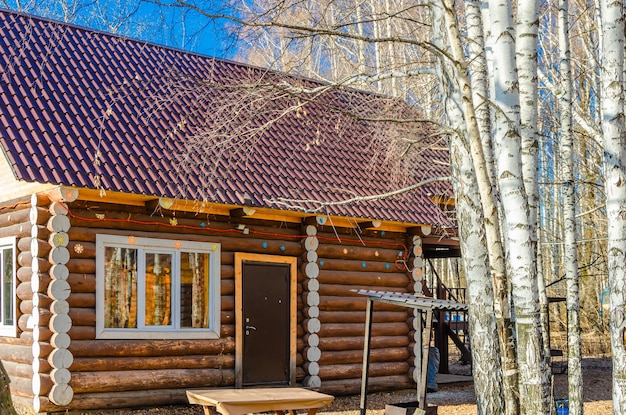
[(208, 410)]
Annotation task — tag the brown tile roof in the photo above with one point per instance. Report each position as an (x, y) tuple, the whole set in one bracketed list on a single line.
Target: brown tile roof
[(68, 93)]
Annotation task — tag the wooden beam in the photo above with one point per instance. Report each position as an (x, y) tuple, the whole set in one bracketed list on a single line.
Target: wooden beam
[(241, 212)]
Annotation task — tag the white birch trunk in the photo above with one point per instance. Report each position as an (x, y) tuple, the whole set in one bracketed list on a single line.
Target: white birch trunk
[(526, 46), (612, 50), (534, 380), (574, 352), (485, 346), (478, 78)]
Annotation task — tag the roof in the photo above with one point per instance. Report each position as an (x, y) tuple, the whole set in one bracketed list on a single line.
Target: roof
[(92, 110), (413, 301)]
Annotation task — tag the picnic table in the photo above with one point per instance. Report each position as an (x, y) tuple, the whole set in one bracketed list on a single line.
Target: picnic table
[(247, 401)]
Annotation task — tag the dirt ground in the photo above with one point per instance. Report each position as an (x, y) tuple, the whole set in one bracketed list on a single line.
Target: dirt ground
[(451, 399)]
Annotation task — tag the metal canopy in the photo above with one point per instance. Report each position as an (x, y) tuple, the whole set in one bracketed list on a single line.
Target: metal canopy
[(423, 305), (412, 300)]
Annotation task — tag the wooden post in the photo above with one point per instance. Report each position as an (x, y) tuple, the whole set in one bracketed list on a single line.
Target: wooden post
[(425, 353), (366, 354)]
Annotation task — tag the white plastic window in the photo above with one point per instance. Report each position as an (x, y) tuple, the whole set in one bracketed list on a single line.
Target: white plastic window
[(157, 288)]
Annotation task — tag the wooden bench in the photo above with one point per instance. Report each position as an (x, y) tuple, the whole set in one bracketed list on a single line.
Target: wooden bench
[(247, 401)]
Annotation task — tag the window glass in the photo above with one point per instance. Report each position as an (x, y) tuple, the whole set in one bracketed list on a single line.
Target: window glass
[(194, 288), (120, 282), (157, 288), (7, 287)]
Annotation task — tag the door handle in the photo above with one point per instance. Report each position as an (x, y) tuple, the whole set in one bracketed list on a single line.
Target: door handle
[(250, 328)]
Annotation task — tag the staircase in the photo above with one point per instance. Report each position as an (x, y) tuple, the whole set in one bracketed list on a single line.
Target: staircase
[(451, 325)]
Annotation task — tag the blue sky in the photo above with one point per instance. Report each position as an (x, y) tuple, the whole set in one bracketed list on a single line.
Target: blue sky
[(171, 26)]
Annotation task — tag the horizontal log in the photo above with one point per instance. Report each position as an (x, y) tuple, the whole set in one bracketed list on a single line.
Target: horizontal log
[(40, 232), (227, 287), (116, 400), (82, 249), (77, 333), (374, 384), (133, 380), (97, 364), (82, 266), (371, 265), (357, 329), (332, 303), (23, 244), (24, 274), (19, 215), (227, 271), (82, 300), (83, 316), (139, 348), (227, 302), (22, 387), (227, 330), (19, 230), (25, 370), (334, 357), (356, 343), (16, 353), (359, 316), (185, 223), (328, 250), (82, 283), (227, 317), (342, 290), (25, 259), (353, 371), (235, 242), (365, 278)]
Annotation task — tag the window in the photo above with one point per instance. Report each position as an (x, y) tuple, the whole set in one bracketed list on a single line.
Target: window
[(156, 288), (7, 287)]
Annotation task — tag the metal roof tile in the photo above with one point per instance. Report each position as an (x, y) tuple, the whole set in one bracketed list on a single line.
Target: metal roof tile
[(63, 101)]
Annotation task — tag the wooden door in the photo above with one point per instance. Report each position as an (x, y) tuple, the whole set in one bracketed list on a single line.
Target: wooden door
[(266, 320)]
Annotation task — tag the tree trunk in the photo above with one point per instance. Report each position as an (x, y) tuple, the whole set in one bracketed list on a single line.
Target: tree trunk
[(615, 185), (485, 346), (6, 405), (574, 352)]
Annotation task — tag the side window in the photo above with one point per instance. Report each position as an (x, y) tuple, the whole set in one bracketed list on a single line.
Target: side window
[(8, 325), (157, 288)]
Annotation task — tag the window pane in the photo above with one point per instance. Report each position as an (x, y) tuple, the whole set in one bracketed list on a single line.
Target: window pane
[(158, 289), (194, 289), (120, 287), (7, 287)]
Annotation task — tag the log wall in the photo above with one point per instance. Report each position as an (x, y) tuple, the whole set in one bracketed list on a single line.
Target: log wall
[(375, 262), (56, 362)]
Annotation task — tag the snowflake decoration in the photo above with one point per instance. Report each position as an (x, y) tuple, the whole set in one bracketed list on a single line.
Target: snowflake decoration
[(79, 248), (100, 216), (173, 221)]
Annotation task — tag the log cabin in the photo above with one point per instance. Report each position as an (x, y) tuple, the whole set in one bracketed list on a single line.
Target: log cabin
[(141, 256)]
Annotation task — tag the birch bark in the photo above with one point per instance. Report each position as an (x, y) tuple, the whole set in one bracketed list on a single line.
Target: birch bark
[(526, 47), (574, 352), (485, 346), (612, 50), (534, 381), (478, 78)]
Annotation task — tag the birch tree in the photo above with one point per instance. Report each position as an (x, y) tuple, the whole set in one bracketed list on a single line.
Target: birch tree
[(574, 365), (612, 13), (486, 348)]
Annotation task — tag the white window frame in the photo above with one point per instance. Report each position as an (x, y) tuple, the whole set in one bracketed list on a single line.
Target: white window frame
[(9, 330), (165, 246)]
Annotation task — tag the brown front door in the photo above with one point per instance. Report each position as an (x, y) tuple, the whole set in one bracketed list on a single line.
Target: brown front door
[(266, 323)]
